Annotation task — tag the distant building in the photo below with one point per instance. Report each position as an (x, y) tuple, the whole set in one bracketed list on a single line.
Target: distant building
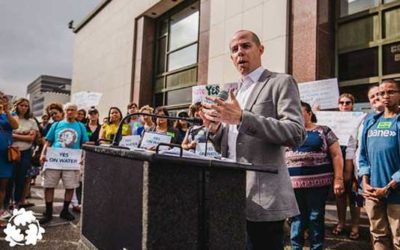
[(47, 89)]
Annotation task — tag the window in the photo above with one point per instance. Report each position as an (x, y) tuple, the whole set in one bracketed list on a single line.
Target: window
[(391, 58), (176, 55), (392, 23), (367, 42), (348, 7), (358, 33), (358, 64)]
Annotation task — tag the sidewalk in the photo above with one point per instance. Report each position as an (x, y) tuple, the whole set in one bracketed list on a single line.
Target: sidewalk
[(61, 235)]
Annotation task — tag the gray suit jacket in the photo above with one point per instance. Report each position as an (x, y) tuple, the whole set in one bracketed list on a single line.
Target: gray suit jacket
[(272, 119)]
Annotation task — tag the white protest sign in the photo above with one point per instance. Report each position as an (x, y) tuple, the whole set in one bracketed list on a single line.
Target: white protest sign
[(201, 150), (230, 86), (200, 92), (130, 141), (343, 124), (86, 99), (63, 159), (324, 93), (151, 140)]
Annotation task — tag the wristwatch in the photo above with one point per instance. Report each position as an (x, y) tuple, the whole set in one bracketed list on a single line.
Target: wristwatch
[(389, 189)]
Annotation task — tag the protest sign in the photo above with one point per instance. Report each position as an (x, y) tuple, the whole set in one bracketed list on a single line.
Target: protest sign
[(324, 93), (201, 150), (130, 141), (343, 124), (230, 86), (151, 140), (63, 159), (200, 92), (86, 99)]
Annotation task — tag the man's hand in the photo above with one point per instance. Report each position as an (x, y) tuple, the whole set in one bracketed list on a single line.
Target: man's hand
[(212, 126), (369, 192), (228, 112), (380, 193)]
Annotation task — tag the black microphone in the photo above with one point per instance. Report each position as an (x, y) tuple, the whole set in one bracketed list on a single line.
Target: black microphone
[(193, 120), (223, 95)]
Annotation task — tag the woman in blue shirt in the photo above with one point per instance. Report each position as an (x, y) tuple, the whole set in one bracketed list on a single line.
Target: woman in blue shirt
[(7, 124)]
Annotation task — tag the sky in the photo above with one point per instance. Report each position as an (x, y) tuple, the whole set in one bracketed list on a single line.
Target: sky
[(35, 40)]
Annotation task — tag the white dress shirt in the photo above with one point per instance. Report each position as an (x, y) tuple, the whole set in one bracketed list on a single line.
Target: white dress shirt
[(246, 86)]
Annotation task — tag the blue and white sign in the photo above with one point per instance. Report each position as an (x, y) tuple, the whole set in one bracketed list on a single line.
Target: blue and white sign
[(130, 141), (63, 159), (151, 140)]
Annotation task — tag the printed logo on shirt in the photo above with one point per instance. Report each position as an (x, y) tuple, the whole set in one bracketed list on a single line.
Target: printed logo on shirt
[(384, 125), (67, 137), (381, 133)]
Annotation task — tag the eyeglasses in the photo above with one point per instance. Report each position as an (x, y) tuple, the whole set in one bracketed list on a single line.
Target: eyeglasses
[(345, 102), (388, 92), (53, 113)]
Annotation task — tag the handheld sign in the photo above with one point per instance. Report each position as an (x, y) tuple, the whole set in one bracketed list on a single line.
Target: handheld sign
[(151, 140), (86, 99), (63, 159), (201, 150), (324, 93), (230, 86), (343, 124), (130, 141), (200, 92)]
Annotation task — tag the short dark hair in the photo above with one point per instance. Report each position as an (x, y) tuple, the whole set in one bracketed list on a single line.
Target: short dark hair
[(309, 110), (132, 104), (56, 106), (392, 81), (82, 110)]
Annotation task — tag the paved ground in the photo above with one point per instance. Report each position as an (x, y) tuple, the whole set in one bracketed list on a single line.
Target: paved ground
[(59, 233), (65, 235)]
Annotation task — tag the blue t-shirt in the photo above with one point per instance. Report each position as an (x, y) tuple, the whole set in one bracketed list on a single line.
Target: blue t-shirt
[(136, 127), (384, 154), (65, 134), (5, 132)]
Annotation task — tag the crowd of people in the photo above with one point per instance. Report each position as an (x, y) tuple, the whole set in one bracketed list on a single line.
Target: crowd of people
[(246, 127)]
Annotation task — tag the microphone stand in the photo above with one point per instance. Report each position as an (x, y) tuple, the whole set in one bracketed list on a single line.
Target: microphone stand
[(118, 135)]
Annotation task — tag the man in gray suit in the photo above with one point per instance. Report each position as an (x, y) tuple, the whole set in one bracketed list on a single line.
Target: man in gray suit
[(255, 126)]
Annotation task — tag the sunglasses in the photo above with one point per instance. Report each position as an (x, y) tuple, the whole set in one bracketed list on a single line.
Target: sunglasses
[(388, 92), (345, 102)]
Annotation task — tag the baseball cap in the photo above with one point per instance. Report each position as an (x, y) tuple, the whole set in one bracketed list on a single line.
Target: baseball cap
[(183, 114), (93, 110)]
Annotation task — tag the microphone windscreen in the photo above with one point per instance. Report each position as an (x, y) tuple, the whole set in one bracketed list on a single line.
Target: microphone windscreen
[(223, 95)]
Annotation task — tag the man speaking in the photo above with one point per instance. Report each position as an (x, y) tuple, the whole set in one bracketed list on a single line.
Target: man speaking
[(254, 126)]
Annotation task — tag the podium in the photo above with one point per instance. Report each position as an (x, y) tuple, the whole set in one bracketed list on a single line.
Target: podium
[(143, 200)]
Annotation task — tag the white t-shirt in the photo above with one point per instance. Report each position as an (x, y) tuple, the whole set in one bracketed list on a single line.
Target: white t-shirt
[(25, 126)]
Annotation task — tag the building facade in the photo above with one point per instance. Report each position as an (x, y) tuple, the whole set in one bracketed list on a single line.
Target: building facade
[(153, 52), (48, 89)]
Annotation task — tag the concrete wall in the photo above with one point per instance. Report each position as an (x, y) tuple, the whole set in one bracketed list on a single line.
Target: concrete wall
[(103, 49), (267, 18)]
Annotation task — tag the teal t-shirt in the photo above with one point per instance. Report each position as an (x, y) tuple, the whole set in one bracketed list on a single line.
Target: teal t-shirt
[(384, 154), (65, 134)]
